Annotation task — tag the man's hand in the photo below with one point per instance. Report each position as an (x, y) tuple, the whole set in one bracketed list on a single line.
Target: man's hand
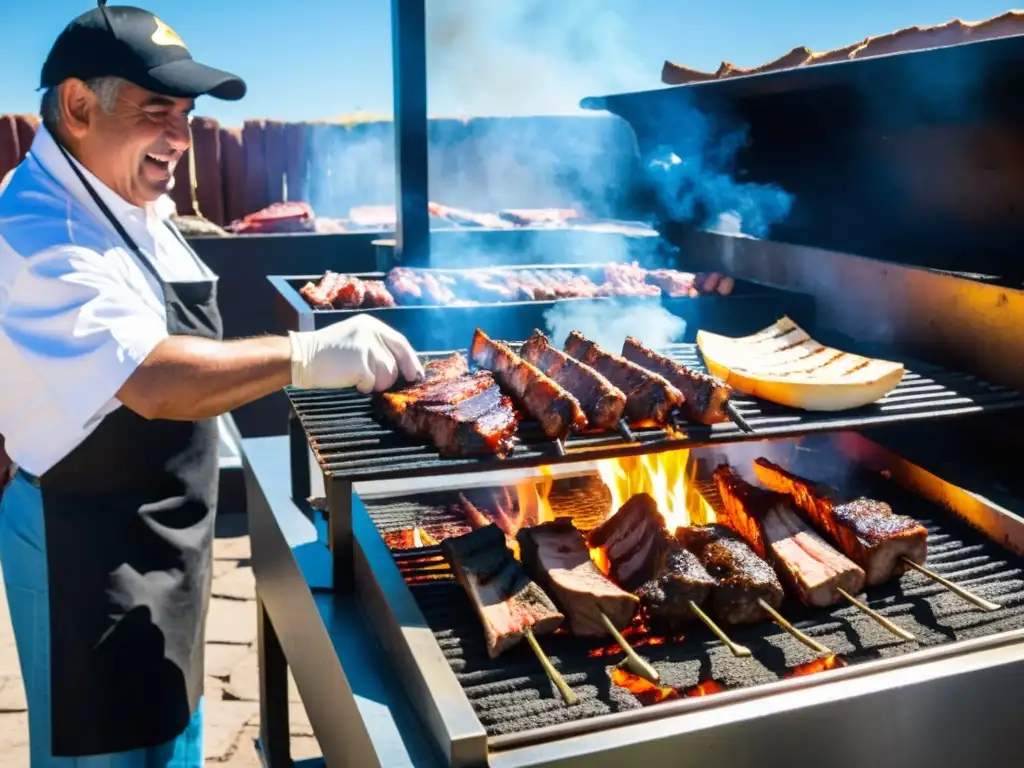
[(362, 352)]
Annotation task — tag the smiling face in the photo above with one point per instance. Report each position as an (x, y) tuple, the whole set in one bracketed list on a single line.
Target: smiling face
[(135, 147)]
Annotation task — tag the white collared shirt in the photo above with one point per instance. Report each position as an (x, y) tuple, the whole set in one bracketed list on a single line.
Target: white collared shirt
[(78, 311)]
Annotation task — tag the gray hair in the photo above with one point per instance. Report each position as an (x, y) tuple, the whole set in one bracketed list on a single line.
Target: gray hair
[(105, 88)]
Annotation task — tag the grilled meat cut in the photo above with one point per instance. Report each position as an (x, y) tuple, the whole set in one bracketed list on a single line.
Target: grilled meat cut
[(643, 557), (555, 555), (504, 597), (867, 531), (741, 577), (450, 367), (705, 396), (602, 402), (767, 520), (377, 295), (649, 397), (557, 411), (461, 414)]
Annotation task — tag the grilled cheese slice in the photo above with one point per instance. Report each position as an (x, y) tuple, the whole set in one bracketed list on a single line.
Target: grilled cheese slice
[(784, 365)]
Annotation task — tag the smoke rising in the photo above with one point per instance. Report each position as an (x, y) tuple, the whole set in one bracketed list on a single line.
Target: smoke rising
[(529, 57), (694, 180), (609, 323), (532, 61)]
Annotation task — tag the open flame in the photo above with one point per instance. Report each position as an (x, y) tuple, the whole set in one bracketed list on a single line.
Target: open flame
[(667, 477), (532, 497)]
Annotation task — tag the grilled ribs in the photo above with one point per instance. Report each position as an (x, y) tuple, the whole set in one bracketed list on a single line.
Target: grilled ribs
[(741, 577), (602, 402), (649, 397), (644, 558), (504, 597), (557, 411), (461, 414), (705, 396), (770, 525), (867, 531), (556, 556)]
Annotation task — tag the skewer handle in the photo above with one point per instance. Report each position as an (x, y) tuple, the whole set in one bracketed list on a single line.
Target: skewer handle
[(810, 642), (985, 605), (736, 648), (556, 677), (876, 616), (737, 418), (626, 432), (637, 664)]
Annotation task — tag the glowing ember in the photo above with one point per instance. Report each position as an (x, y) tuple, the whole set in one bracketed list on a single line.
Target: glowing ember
[(818, 665), (648, 693), (706, 688), (616, 649), (667, 477)]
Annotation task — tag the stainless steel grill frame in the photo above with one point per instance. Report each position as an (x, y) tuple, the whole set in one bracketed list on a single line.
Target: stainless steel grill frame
[(896, 696)]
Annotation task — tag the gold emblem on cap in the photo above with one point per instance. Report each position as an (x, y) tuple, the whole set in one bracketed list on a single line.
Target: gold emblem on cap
[(164, 35)]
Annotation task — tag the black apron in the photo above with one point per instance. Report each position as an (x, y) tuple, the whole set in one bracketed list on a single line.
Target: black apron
[(129, 519)]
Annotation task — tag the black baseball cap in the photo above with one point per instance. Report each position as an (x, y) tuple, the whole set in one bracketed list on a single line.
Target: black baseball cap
[(133, 44)]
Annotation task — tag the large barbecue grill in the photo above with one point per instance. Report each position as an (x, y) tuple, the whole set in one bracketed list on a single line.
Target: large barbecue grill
[(389, 656)]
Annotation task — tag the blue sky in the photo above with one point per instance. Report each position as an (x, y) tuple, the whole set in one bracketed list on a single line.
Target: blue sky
[(318, 59)]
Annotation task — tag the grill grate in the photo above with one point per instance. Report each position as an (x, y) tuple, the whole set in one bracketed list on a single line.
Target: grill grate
[(511, 694), (351, 441)]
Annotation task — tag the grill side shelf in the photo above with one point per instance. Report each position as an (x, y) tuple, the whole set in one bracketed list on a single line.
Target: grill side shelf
[(350, 440)]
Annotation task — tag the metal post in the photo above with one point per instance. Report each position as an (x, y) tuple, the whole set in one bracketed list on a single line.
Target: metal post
[(275, 748), (409, 76)]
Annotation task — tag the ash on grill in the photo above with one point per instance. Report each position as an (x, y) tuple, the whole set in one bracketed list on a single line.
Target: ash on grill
[(512, 694)]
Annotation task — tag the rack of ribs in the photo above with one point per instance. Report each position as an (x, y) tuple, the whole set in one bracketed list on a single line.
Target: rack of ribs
[(461, 414), (705, 396), (741, 577), (602, 402), (505, 599), (649, 397), (556, 556), (558, 412), (775, 531), (867, 531), (647, 560)]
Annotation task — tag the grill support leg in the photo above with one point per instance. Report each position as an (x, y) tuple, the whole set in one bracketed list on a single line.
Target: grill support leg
[(339, 505), (275, 748), (298, 455)]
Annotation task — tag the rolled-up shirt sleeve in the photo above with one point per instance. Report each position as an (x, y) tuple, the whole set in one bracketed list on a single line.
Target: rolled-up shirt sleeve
[(80, 326)]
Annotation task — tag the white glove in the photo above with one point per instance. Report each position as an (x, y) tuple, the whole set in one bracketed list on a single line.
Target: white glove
[(361, 352)]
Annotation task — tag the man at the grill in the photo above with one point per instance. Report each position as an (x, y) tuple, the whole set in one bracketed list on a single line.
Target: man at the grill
[(113, 373)]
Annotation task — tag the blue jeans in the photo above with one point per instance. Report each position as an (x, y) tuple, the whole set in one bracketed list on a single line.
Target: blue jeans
[(23, 559)]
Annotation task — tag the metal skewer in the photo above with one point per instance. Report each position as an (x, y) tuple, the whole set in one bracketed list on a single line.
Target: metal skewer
[(626, 432), (810, 642), (559, 447), (556, 677), (636, 663), (985, 605), (737, 649), (737, 418), (876, 616)]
